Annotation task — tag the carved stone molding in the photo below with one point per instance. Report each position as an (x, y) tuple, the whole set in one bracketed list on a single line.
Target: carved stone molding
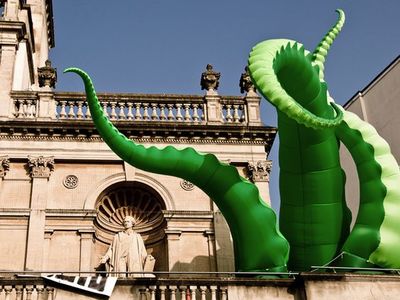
[(210, 79), (259, 171), (40, 167), (47, 75), (246, 85), (186, 185), (4, 166)]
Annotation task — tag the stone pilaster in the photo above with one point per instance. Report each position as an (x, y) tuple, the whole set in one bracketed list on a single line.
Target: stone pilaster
[(40, 169), (173, 238), (11, 33), (86, 249), (211, 249)]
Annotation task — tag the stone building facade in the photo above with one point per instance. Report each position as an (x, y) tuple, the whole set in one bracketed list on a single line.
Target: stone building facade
[(64, 193), (378, 104)]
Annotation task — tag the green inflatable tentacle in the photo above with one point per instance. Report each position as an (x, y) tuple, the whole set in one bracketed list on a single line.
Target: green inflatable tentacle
[(322, 49), (312, 215), (258, 244), (262, 70), (374, 238)]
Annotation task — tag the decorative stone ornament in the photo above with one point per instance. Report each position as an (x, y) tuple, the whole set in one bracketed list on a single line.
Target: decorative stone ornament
[(186, 185), (210, 79), (246, 85), (40, 167), (4, 165), (47, 75), (70, 181), (259, 171)]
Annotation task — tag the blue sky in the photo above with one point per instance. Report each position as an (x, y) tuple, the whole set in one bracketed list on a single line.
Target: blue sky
[(159, 46)]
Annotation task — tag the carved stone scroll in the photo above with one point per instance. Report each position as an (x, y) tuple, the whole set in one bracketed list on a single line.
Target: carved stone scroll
[(259, 171), (40, 167), (4, 166)]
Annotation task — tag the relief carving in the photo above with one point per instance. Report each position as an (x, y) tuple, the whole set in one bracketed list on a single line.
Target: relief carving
[(40, 167), (259, 171), (4, 166)]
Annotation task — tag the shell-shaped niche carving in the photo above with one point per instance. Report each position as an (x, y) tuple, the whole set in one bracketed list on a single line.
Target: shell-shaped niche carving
[(130, 199)]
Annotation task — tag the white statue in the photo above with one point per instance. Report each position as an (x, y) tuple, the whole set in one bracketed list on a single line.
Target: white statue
[(127, 252)]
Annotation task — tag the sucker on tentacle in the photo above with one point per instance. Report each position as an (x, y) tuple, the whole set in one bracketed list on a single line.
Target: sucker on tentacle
[(258, 244)]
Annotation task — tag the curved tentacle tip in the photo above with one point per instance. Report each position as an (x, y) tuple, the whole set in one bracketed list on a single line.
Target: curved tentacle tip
[(75, 70)]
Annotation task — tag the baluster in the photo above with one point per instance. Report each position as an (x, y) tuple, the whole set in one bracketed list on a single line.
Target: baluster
[(121, 114), (170, 115), (50, 293), (243, 117), (146, 115), (195, 113), (19, 292), (187, 112), (63, 112), (202, 117), (113, 114), (152, 289), (228, 117), (154, 115), (172, 289), (193, 289), (21, 113), (224, 293), (143, 294), (163, 117), (213, 289), (7, 290), (29, 110), (39, 290), (88, 114), (162, 289), (79, 113), (236, 118), (178, 112), (138, 115), (203, 290), (29, 290), (105, 105), (71, 113), (129, 115), (182, 290)]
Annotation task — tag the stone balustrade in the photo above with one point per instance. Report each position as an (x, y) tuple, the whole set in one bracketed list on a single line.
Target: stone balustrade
[(183, 292), (26, 292), (191, 109)]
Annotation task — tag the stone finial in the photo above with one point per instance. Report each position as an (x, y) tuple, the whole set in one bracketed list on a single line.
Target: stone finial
[(47, 75), (40, 167), (210, 79), (260, 170), (246, 85), (4, 165)]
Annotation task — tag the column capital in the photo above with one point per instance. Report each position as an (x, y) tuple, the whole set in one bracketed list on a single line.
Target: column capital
[(259, 171), (4, 165), (40, 167)]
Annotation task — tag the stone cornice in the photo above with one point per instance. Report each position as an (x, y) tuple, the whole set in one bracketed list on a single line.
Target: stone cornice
[(144, 132)]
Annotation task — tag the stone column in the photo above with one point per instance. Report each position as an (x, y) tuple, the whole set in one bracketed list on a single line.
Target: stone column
[(173, 237), (40, 169), (258, 172), (86, 249)]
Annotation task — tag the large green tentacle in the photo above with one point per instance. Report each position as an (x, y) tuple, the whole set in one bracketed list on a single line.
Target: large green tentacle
[(322, 49), (258, 244), (311, 181), (263, 70), (374, 238)]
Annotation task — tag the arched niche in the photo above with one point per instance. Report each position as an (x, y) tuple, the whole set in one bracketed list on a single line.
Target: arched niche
[(135, 199)]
